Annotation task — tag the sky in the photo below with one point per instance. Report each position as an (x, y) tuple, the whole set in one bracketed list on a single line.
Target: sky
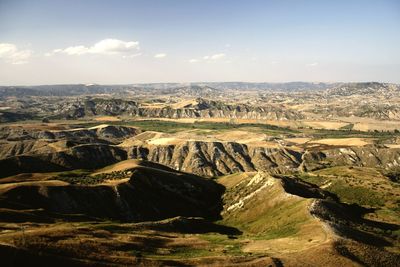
[(122, 42)]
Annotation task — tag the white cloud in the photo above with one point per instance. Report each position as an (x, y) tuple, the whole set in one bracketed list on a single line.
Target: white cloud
[(103, 47), (217, 56), (208, 58), (160, 55), (312, 64), (76, 50), (11, 54), (114, 46), (132, 55)]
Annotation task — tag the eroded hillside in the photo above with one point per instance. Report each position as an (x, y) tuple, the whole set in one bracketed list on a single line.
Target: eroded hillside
[(221, 174)]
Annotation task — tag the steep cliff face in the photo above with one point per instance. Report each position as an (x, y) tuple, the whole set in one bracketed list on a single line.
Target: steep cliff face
[(29, 150), (366, 156), (15, 141), (101, 133), (201, 108), (242, 112), (199, 157), (217, 158)]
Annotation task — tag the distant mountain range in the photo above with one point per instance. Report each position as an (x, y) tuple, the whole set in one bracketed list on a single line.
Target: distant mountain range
[(194, 89)]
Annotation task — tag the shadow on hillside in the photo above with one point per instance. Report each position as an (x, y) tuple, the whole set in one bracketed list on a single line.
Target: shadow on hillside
[(190, 226), (348, 220)]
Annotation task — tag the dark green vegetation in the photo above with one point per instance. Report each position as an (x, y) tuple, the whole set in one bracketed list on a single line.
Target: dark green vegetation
[(83, 177), (357, 194), (313, 179), (6, 116), (342, 133), (393, 175)]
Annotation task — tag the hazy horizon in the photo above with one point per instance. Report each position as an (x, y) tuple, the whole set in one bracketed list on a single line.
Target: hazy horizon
[(128, 42), (190, 82)]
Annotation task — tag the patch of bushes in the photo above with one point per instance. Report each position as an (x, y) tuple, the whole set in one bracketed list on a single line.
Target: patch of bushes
[(312, 179), (394, 176), (84, 179), (357, 194)]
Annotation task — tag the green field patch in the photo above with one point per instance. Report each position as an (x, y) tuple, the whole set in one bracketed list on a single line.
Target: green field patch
[(312, 178), (356, 194)]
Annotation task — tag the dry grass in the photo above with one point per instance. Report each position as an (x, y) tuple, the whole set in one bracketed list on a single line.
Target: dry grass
[(164, 141), (8, 186), (343, 141), (120, 166), (272, 220), (107, 118)]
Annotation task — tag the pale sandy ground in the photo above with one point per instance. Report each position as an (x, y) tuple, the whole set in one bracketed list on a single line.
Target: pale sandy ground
[(8, 186), (156, 138), (79, 129), (393, 145), (107, 118), (312, 234), (120, 166), (299, 140), (115, 182), (184, 103), (26, 177), (98, 126), (243, 137), (153, 105), (380, 126), (138, 139), (165, 141), (332, 125), (343, 142), (58, 146), (369, 124)]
